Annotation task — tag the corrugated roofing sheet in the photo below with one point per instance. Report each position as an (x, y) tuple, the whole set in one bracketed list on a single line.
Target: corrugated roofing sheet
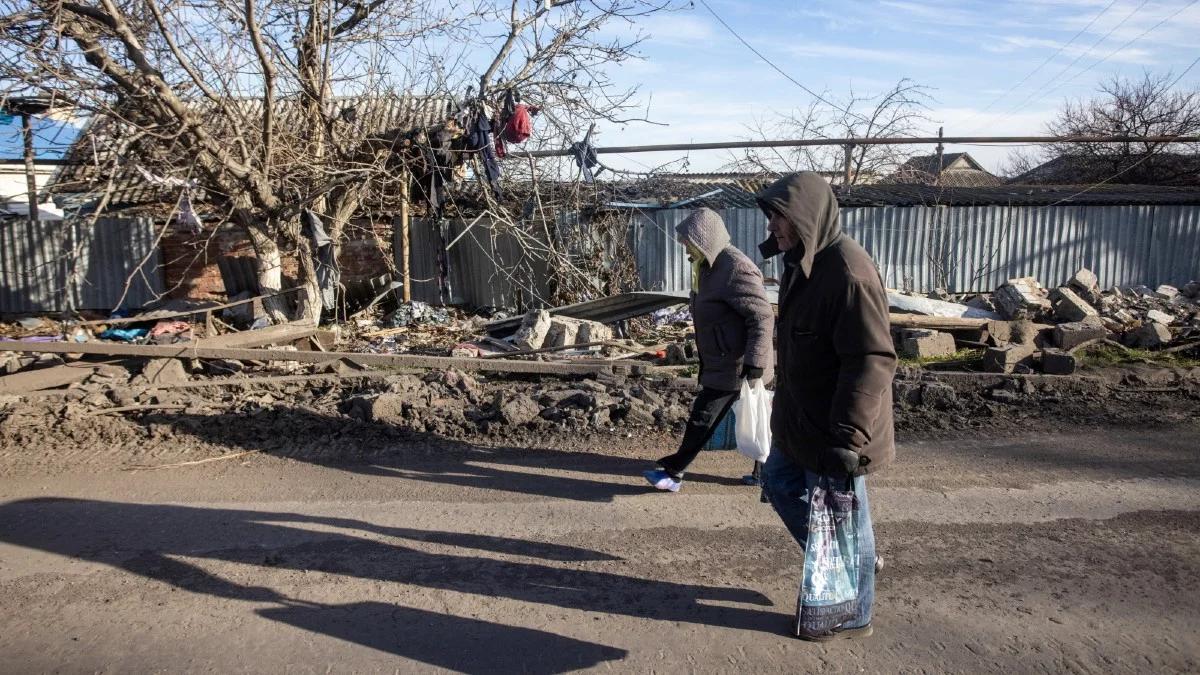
[(92, 155)]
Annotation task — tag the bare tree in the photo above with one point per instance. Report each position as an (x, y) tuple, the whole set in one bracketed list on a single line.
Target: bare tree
[(250, 100), (1148, 106), (900, 111), (1019, 162)]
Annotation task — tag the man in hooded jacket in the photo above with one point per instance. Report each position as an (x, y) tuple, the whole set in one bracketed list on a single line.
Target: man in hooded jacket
[(832, 412), (733, 321)]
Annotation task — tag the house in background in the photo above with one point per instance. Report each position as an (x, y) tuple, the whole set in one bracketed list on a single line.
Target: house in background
[(1162, 168), (957, 169), (13, 186)]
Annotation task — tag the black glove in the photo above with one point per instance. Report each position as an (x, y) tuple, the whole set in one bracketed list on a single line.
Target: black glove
[(841, 462), (750, 372)]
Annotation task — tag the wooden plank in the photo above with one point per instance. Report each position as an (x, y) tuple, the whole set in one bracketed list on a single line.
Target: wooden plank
[(936, 322), (271, 335), (44, 378), (192, 350), (160, 316)]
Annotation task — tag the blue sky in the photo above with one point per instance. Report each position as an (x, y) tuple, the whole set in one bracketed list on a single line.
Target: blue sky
[(707, 86), (50, 138)]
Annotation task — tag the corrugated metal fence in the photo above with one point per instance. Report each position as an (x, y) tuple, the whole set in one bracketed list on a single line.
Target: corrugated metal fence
[(51, 266), (487, 267), (970, 248)]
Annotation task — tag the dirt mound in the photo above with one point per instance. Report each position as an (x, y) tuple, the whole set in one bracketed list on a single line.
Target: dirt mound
[(451, 411)]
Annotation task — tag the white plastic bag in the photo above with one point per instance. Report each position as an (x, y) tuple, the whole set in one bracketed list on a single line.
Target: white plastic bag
[(753, 424)]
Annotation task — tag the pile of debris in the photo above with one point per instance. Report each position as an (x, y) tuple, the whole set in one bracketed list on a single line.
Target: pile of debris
[(1025, 327), (454, 403)]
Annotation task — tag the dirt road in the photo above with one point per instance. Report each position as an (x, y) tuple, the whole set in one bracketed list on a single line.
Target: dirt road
[(1073, 552)]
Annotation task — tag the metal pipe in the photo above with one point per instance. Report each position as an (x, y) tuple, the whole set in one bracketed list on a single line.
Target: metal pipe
[(916, 140)]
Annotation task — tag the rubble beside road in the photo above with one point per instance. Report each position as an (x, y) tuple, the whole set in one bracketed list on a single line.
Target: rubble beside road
[(416, 376), (1048, 330), (345, 416)]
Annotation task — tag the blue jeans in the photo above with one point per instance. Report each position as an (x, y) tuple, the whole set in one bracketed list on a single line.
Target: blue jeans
[(785, 484)]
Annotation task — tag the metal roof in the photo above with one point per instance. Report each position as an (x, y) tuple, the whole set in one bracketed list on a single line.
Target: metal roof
[(91, 156), (608, 309)]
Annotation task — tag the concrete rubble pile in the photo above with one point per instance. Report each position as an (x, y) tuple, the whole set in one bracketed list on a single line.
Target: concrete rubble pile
[(1044, 328)]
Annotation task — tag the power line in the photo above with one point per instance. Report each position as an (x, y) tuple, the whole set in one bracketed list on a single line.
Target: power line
[(1046, 85), (779, 70), (1185, 72), (1043, 64), (1139, 37)]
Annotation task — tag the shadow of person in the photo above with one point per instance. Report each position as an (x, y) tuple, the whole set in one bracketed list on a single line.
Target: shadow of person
[(455, 643), (149, 540), (376, 449)]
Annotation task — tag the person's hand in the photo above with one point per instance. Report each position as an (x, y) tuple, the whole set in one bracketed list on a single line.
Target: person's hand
[(840, 462), (751, 372)]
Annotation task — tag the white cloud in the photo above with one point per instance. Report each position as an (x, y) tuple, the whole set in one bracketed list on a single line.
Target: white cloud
[(833, 51), (1020, 43), (675, 29)]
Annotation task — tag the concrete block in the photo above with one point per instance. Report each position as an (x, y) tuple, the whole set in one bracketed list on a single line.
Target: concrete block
[(1068, 306), (562, 333), (533, 330), (1085, 283), (1150, 336), (981, 302), (1058, 362), (1021, 298), (1008, 358), (1166, 292), (999, 332), (1157, 316), (593, 331), (1123, 316), (1075, 333), (924, 344)]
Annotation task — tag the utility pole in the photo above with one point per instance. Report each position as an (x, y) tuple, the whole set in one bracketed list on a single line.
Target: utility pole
[(849, 150), (30, 173), (27, 107), (405, 251), (941, 150)]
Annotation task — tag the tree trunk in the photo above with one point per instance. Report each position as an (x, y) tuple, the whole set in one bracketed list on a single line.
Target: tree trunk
[(308, 301), (270, 272)]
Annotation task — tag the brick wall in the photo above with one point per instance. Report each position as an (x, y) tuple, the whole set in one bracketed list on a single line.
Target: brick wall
[(190, 260), (367, 251)]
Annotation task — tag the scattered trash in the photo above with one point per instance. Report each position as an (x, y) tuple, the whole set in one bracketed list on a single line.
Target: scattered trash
[(671, 316), (416, 312), (125, 334)]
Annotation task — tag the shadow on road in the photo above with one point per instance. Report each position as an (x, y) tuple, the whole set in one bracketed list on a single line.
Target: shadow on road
[(147, 540), (376, 449)]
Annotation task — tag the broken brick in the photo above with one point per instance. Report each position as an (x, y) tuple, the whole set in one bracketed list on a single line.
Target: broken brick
[(924, 344), (1008, 358), (1058, 362), (1072, 334), (1068, 306)]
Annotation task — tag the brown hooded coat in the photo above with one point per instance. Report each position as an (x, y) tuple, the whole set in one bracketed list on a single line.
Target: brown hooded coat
[(833, 396), (730, 309)]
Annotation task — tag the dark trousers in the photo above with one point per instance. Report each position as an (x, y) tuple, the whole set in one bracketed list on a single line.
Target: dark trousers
[(708, 410)]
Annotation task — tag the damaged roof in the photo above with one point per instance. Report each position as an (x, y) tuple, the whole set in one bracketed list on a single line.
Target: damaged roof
[(86, 172)]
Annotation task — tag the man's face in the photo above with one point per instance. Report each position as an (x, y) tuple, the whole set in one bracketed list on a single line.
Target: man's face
[(782, 230)]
